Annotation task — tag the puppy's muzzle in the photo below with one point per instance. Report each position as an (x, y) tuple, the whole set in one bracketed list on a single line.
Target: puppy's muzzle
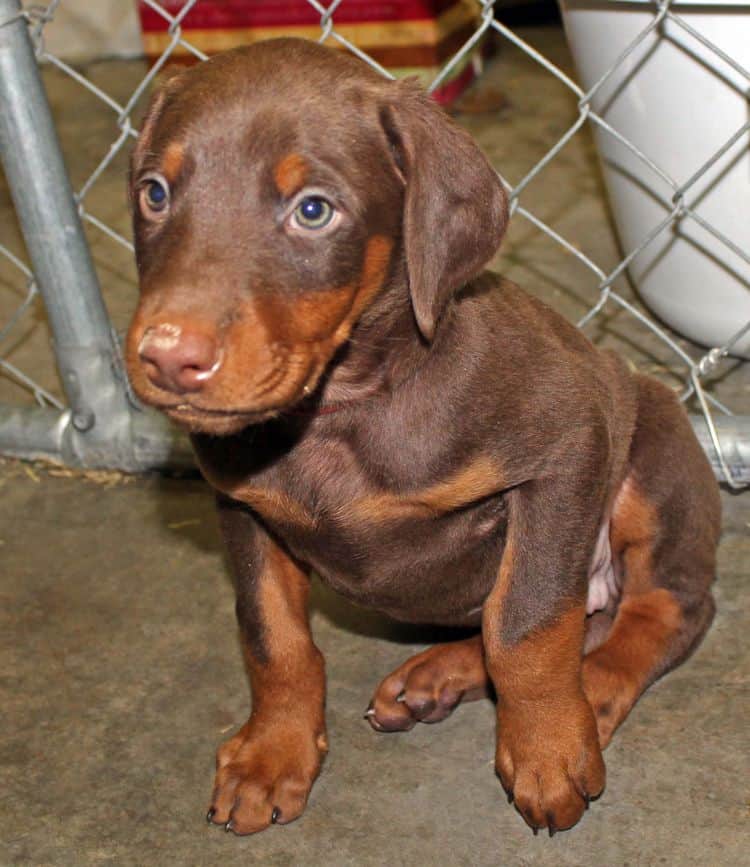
[(177, 358)]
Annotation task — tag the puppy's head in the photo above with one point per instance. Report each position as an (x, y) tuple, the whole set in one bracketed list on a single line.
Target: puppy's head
[(277, 189)]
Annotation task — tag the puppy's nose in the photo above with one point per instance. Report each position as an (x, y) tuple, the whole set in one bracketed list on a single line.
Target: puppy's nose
[(178, 359)]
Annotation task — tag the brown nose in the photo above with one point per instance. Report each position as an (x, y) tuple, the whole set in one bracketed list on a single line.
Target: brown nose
[(178, 359)]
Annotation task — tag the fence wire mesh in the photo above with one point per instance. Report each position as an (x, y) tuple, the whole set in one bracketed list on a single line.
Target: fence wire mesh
[(713, 381)]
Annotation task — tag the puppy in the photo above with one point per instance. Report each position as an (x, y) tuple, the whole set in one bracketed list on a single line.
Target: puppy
[(432, 441)]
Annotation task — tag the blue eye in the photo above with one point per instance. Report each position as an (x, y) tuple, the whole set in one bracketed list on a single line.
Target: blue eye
[(313, 212), (156, 193), (154, 196)]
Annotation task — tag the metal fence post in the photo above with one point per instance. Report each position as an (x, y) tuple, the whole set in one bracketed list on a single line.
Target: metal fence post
[(102, 427)]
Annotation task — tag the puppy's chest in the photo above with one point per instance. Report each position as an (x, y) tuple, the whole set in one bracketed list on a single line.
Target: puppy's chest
[(360, 525), (334, 488), (425, 553)]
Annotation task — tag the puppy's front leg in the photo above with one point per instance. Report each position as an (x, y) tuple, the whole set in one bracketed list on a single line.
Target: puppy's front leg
[(265, 772), (548, 756)]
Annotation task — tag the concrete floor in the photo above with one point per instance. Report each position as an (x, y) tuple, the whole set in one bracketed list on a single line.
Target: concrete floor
[(121, 674), (120, 671)]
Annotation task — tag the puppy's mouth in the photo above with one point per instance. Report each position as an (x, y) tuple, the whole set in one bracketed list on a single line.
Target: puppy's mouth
[(238, 393), (221, 421), (216, 420)]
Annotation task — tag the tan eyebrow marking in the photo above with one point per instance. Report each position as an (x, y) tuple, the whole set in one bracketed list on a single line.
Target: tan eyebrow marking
[(172, 161), (290, 174)]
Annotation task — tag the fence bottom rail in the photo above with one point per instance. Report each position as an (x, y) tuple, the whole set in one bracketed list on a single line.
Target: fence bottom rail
[(144, 441), (151, 443)]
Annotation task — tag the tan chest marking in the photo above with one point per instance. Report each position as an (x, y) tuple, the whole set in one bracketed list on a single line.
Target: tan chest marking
[(274, 506), (480, 479)]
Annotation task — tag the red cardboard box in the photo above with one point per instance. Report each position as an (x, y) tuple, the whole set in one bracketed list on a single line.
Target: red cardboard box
[(408, 37)]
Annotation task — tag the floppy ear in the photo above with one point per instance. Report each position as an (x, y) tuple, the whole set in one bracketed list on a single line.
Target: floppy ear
[(455, 210)]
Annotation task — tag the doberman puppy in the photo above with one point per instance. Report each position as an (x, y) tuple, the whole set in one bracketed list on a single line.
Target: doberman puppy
[(430, 440)]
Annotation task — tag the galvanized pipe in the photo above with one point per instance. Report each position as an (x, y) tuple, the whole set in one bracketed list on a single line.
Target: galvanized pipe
[(47, 212), (733, 433), (33, 432), (41, 433), (102, 428)]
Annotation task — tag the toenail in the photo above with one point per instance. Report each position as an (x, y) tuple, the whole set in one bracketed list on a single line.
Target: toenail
[(210, 815), (275, 815)]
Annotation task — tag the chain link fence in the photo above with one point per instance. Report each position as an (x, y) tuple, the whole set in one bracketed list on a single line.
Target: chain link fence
[(88, 416)]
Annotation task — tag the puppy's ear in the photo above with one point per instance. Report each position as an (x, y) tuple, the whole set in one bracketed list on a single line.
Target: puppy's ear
[(455, 210)]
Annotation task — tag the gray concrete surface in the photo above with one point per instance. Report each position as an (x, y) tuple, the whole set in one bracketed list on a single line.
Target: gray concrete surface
[(121, 674), (120, 671)]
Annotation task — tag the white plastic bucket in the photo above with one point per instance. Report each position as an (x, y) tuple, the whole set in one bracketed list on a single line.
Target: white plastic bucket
[(678, 102)]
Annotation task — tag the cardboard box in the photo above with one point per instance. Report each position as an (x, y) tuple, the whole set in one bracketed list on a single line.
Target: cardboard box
[(408, 37)]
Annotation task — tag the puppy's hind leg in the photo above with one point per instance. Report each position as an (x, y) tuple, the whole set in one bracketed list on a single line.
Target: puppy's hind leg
[(429, 686), (664, 532)]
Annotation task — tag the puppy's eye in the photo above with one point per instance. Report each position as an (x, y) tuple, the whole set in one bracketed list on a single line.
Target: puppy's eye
[(154, 197), (313, 212)]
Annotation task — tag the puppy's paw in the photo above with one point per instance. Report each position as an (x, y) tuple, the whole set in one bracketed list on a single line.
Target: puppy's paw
[(549, 762), (429, 686), (264, 775)]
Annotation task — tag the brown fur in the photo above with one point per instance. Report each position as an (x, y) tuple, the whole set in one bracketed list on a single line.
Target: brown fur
[(429, 439)]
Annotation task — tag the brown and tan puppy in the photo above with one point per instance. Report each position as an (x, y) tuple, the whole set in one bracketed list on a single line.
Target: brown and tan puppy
[(430, 440)]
